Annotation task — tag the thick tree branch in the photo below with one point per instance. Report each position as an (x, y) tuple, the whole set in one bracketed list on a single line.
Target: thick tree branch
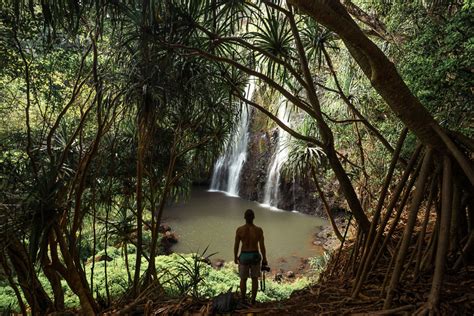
[(291, 97), (376, 26), (282, 125)]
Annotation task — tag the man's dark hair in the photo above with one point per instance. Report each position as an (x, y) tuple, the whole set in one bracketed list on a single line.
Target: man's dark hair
[(249, 216)]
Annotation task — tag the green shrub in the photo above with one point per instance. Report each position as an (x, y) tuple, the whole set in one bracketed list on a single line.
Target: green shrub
[(180, 274)]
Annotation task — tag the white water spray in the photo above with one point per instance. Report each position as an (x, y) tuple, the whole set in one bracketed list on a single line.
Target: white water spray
[(272, 184), (226, 175)]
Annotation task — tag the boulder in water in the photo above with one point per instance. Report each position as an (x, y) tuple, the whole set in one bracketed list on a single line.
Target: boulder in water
[(164, 228), (219, 263), (170, 237)]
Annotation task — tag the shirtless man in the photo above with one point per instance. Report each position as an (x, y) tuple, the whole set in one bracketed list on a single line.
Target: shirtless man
[(251, 237)]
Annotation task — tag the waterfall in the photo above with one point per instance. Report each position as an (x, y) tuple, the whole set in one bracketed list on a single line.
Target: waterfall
[(272, 184), (226, 175)]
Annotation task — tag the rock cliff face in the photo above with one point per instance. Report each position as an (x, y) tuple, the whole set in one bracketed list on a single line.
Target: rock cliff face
[(296, 193), (254, 172), (266, 150)]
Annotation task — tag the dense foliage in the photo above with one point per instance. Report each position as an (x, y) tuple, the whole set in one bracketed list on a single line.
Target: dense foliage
[(109, 110), (177, 273)]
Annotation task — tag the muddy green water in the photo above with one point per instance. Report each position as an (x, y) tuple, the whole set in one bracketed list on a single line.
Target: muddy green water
[(211, 218)]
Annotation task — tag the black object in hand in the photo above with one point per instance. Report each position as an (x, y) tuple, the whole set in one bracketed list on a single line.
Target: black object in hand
[(265, 268)]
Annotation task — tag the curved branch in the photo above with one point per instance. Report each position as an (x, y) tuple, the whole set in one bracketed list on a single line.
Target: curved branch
[(377, 67), (252, 47), (465, 164), (346, 100), (295, 100), (376, 26), (28, 104), (75, 92), (282, 125)]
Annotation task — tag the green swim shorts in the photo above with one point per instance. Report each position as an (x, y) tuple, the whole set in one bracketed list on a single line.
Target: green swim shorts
[(249, 264)]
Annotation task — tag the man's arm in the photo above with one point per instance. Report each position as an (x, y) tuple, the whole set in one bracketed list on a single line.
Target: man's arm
[(236, 246), (261, 242)]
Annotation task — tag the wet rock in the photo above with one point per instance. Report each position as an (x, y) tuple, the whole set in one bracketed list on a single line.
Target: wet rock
[(332, 244), (281, 260), (100, 258), (170, 237), (219, 263), (164, 228), (278, 277)]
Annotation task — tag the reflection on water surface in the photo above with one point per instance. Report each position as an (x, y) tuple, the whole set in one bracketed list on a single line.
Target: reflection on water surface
[(211, 218)]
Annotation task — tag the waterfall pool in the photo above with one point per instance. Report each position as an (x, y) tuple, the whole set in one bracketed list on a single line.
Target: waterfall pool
[(211, 218)]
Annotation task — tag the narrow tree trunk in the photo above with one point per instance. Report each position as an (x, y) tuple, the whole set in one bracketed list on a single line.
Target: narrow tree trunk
[(355, 249), (33, 290), (421, 237), (326, 205), (390, 265), (454, 232), (398, 191), (8, 273), (327, 135), (430, 250), (443, 239), (151, 271), (407, 234), (73, 277), (94, 237), (463, 162), (398, 214), (55, 281), (467, 249), (139, 196), (106, 239), (348, 189), (127, 267), (375, 219), (143, 119)]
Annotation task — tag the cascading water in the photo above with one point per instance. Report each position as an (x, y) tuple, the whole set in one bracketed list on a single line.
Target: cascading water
[(226, 175), (272, 184)]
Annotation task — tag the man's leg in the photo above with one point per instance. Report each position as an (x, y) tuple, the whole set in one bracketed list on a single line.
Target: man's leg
[(243, 288), (244, 274), (254, 289)]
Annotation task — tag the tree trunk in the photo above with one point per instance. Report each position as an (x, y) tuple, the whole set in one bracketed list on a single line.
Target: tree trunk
[(139, 196), (421, 236), (73, 277), (407, 234), (327, 135), (55, 281), (443, 240), (368, 253), (34, 293), (326, 205), (348, 189), (8, 273), (374, 245), (143, 120)]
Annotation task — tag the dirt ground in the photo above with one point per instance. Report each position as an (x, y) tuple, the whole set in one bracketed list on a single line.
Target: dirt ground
[(332, 296)]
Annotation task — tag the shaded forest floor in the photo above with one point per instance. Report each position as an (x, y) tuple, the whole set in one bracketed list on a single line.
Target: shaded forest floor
[(332, 296)]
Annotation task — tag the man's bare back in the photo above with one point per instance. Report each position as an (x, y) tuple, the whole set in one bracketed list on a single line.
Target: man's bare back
[(250, 236)]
